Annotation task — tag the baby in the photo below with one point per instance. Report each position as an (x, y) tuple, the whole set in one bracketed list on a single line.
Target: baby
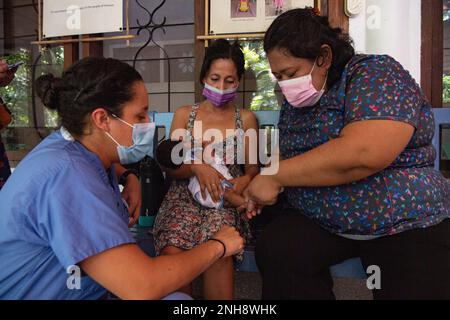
[(164, 158)]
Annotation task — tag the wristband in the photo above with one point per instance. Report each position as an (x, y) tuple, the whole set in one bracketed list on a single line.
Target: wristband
[(224, 247), (123, 177)]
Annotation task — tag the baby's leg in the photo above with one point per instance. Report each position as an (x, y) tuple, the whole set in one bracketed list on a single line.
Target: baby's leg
[(218, 280), (173, 250)]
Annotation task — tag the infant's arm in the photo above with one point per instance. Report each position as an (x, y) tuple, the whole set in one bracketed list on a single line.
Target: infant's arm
[(232, 199)]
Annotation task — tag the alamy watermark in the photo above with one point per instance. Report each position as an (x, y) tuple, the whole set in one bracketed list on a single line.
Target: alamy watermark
[(74, 280), (373, 282), (253, 147)]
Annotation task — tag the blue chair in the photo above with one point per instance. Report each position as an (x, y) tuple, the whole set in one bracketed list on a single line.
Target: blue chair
[(441, 116), (351, 268)]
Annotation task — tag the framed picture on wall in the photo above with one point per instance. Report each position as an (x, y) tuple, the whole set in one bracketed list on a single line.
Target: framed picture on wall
[(249, 16)]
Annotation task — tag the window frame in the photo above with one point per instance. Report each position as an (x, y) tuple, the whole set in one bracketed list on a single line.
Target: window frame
[(432, 52)]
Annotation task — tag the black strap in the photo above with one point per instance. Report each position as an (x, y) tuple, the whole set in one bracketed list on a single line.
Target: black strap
[(224, 247), (123, 177)]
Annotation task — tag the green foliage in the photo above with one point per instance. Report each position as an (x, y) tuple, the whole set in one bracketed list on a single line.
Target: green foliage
[(18, 94), (265, 97), (446, 89)]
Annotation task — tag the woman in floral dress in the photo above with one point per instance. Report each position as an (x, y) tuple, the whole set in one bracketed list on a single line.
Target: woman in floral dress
[(182, 223)]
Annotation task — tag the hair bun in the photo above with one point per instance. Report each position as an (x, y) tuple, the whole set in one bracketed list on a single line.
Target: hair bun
[(46, 89)]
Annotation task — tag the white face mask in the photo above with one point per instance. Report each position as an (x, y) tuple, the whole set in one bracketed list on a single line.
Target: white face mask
[(300, 92), (143, 135)]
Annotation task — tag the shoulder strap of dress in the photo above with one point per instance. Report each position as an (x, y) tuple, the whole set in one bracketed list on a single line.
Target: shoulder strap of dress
[(192, 117), (238, 119)]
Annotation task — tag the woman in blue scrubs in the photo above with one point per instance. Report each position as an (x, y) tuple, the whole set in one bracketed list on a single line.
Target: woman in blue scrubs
[(63, 225)]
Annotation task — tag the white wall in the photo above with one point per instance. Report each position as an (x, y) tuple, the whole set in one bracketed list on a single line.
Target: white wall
[(390, 27)]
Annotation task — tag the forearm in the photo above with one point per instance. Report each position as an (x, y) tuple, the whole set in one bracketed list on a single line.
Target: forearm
[(130, 273), (233, 199), (251, 170), (183, 268), (170, 273), (334, 163)]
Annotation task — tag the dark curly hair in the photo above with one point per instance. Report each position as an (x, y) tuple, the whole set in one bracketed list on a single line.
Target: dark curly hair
[(223, 49), (88, 84), (303, 33)]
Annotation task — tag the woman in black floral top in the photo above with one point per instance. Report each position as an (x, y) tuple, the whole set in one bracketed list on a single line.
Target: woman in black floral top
[(356, 138)]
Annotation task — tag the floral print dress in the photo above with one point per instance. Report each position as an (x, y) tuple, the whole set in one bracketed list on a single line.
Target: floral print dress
[(182, 222)]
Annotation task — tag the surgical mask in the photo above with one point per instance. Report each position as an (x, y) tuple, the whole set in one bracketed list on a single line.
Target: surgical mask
[(219, 97), (143, 135), (300, 92)]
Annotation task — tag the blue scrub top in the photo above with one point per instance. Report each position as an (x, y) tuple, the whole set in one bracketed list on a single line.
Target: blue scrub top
[(59, 207)]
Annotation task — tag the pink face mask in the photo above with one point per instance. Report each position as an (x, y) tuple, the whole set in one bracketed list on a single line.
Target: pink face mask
[(300, 92)]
